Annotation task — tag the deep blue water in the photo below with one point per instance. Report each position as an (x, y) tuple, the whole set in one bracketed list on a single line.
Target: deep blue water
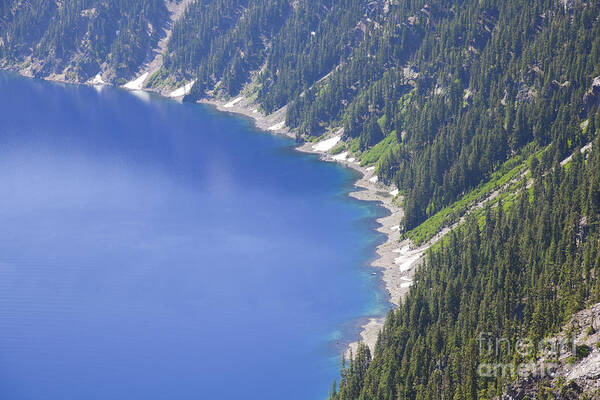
[(157, 250)]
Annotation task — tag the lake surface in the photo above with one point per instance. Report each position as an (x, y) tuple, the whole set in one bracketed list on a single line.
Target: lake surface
[(157, 250)]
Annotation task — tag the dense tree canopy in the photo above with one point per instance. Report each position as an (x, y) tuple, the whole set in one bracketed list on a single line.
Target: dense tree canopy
[(439, 96), (519, 272), (80, 37)]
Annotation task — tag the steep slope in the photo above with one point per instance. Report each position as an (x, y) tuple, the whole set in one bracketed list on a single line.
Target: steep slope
[(574, 362), (75, 40), (472, 109), (512, 277), (155, 58), (438, 96)]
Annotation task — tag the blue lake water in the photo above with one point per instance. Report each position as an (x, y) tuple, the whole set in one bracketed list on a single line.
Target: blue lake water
[(157, 250)]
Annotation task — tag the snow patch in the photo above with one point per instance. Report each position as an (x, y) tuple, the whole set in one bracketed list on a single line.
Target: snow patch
[(98, 80), (341, 156), (233, 102), (407, 258), (327, 144), (182, 91), (137, 83), (277, 127)]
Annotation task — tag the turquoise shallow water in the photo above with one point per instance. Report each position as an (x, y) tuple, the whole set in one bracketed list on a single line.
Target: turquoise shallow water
[(157, 250)]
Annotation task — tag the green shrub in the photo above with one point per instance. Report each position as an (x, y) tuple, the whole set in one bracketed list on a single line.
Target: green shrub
[(582, 351), (338, 148)]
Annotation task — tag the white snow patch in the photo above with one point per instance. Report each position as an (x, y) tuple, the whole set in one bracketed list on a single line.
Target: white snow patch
[(98, 80), (395, 192), (373, 179), (341, 156), (395, 228), (182, 91), (277, 127), (370, 169), (327, 144), (406, 284), (351, 159), (233, 102), (407, 258), (137, 83)]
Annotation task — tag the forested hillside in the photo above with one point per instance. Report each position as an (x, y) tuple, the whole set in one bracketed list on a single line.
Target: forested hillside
[(75, 40), (453, 102), (518, 271), (449, 92)]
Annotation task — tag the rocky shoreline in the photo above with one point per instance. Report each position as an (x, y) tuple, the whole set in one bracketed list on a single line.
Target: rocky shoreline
[(396, 259)]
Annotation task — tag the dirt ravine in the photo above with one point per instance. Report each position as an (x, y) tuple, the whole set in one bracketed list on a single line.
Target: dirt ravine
[(154, 60)]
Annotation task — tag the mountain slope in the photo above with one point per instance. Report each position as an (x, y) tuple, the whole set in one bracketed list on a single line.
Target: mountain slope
[(470, 108), (518, 272), (75, 40)]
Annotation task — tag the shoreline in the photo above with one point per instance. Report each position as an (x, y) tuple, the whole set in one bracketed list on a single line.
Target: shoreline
[(394, 258)]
